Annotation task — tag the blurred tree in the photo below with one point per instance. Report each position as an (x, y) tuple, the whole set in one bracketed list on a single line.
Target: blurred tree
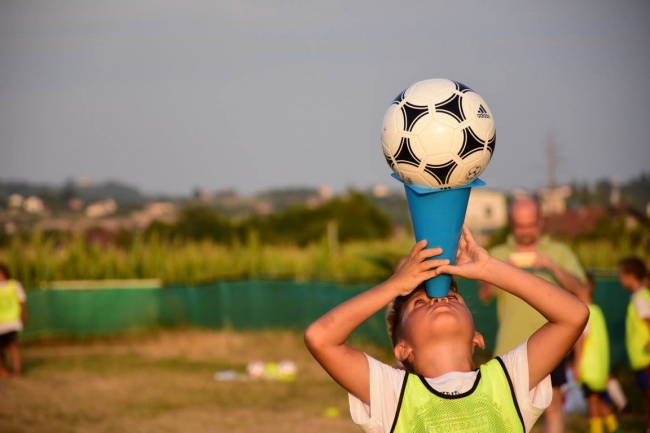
[(68, 191), (201, 222), (356, 219)]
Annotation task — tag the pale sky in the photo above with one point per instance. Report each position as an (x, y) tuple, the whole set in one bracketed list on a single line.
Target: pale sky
[(252, 95)]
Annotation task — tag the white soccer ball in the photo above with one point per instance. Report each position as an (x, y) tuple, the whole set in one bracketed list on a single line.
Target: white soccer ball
[(438, 134)]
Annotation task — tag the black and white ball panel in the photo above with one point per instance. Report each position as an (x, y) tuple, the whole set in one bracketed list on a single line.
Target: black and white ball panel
[(438, 133)]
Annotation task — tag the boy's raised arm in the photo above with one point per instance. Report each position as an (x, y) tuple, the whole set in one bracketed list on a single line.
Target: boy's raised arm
[(566, 314), (326, 337)]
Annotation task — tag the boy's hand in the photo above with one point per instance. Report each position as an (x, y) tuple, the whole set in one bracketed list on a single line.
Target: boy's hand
[(470, 259), (416, 268)]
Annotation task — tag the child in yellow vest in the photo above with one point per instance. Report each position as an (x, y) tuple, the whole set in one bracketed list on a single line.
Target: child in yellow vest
[(632, 274), (13, 314), (435, 339), (591, 364)]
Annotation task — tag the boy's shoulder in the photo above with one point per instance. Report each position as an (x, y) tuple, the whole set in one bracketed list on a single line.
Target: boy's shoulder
[(643, 293)]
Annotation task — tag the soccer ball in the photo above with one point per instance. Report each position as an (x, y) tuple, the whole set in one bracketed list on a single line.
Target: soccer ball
[(438, 134)]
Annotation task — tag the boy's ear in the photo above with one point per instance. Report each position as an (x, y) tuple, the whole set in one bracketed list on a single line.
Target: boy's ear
[(402, 351), (478, 340)]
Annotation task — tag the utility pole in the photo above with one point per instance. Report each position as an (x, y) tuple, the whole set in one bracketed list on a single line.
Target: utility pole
[(553, 160)]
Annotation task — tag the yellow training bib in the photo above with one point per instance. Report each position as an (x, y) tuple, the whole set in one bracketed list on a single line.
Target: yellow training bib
[(9, 304), (490, 406)]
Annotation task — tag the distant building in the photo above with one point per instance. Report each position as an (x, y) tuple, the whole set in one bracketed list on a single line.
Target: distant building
[(15, 201), (75, 204), (325, 192), (264, 207), (204, 196), (159, 210), (380, 191), (101, 208), (519, 193), (553, 200), (34, 205), (487, 212)]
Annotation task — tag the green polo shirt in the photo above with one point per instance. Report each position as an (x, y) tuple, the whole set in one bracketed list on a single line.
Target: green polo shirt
[(518, 320)]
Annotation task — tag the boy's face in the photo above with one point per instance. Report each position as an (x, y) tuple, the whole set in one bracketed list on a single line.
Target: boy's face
[(626, 280), (424, 318)]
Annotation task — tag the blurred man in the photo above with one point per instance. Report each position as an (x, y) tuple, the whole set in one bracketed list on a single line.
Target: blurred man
[(527, 247)]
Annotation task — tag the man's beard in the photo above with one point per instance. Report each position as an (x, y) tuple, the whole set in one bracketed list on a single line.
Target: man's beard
[(527, 241)]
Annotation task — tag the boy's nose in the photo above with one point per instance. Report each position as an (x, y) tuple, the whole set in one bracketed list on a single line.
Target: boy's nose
[(434, 300)]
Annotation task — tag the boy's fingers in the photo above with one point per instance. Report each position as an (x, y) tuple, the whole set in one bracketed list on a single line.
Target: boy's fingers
[(430, 264), (444, 269), (417, 248), (467, 233), (429, 252), (449, 269), (431, 274)]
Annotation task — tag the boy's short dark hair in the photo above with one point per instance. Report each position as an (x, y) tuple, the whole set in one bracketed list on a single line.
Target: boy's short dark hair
[(634, 266), (394, 312)]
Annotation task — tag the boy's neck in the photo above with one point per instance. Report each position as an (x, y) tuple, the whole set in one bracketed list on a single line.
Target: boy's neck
[(429, 363), (637, 286)]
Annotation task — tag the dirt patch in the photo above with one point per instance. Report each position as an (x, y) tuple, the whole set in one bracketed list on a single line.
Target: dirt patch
[(164, 382)]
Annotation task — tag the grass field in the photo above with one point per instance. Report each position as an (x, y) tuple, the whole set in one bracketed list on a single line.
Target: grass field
[(163, 381)]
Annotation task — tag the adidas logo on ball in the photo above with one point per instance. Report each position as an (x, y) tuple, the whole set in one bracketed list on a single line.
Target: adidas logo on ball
[(482, 113)]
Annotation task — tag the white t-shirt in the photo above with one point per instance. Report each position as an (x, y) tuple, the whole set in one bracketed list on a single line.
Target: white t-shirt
[(386, 384), (641, 304), (16, 325)]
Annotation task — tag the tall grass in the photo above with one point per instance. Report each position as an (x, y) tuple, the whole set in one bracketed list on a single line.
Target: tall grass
[(37, 261), (605, 253)]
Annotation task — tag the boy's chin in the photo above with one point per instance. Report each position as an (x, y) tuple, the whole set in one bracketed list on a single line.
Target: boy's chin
[(450, 326)]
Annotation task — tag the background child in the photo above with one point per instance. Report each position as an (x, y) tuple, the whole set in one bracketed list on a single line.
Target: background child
[(591, 364), (13, 315), (632, 273), (435, 339)]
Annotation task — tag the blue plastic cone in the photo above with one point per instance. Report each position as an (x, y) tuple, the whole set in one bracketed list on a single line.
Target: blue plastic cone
[(437, 216)]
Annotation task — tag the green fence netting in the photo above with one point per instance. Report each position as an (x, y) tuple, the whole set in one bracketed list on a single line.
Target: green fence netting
[(253, 305)]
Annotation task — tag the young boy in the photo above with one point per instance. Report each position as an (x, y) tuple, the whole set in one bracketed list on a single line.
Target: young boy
[(591, 364), (435, 339), (632, 274), (13, 315)]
